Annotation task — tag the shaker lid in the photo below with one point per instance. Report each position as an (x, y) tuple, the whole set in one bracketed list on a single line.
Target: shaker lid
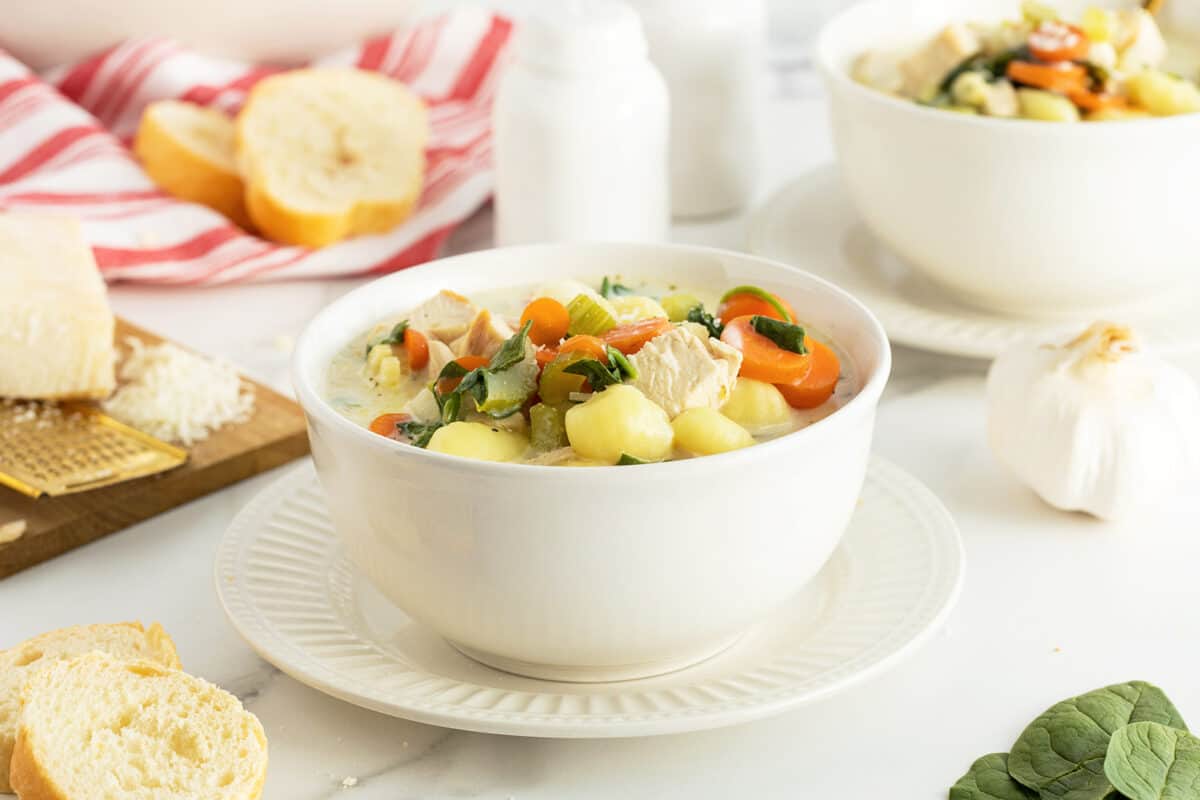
[(581, 35)]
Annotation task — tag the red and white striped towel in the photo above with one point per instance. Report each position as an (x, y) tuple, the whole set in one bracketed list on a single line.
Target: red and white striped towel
[(63, 149)]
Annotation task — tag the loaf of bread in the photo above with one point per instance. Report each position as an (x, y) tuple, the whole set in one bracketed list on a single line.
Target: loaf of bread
[(98, 728), (128, 640), (188, 151), (330, 153)]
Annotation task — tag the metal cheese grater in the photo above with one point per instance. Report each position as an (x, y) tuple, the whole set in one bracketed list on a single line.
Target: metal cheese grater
[(72, 447)]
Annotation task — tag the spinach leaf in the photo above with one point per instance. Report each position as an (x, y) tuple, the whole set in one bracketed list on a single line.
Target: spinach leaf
[(627, 460), (788, 336), (601, 376), (419, 433), (995, 67), (699, 315), (395, 336), (610, 289), (512, 351), (1150, 761), (1061, 753), (597, 374), (621, 363), (499, 389), (988, 779)]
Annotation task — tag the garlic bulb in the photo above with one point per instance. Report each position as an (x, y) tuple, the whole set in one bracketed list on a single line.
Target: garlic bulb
[(1097, 425)]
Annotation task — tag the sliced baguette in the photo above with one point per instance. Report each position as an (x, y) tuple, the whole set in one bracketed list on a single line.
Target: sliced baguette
[(97, 728), (331, 153), (127, 640), (188, 151)]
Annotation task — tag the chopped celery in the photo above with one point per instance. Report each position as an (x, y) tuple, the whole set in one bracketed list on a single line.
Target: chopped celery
[(548, 427), (678, 305), (588, 317), (507, 390), (556, 384)]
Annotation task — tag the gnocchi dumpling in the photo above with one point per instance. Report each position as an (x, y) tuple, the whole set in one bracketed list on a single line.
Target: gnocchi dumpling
[(634, 307), (619, 420), (1046, 106), (479, 441), (1163, 95), (706, 431), (756, 405)]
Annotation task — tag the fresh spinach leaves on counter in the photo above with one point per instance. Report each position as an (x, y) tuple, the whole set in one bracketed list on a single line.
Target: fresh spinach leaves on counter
[(988, 779), (788, 336), (698, 315), (1151, 761), (1107, 744), (601, 376), (610, 289)]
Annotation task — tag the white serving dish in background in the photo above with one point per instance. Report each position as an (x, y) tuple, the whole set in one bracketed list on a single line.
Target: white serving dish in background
[(592, 573), (1011, 215)]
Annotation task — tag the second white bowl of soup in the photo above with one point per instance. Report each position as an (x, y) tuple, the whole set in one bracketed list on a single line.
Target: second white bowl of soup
[(602, 475), (1014, 214)]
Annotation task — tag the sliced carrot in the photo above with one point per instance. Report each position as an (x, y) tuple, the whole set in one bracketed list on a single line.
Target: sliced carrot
[(447, 385), (817, 386), (1058, 41), (1097, 101), (545, 355), (417, 348), (762, 359), (632, 336), (388, 424), (592, 345), (1060, 77), (550, 320), (746, 304)]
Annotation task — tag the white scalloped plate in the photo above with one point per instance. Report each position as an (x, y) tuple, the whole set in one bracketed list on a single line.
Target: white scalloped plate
[(811, 224), (289, 590)]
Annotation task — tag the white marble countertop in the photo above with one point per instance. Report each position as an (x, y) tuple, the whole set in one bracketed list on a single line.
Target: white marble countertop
[(1053, 604)]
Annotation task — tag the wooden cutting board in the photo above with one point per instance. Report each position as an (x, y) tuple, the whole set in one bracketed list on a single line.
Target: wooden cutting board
[(274, 435)]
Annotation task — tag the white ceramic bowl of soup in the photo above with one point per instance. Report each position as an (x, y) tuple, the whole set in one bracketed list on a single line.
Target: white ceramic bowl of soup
[(593, 573), (1011, 215)]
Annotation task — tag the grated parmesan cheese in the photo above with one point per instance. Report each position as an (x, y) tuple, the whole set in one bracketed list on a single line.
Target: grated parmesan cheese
[(176, 395)]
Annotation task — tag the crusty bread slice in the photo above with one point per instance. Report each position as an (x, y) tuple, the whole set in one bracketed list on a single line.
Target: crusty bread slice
[(330, 153), (188, 151), (97, 728), (128, 640)]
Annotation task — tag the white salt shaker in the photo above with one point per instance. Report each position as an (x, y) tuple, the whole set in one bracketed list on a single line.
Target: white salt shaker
[(581, 125), (711, 53)]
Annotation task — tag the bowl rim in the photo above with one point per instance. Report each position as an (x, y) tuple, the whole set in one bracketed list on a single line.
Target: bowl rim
[(835, 74), (864, 401)]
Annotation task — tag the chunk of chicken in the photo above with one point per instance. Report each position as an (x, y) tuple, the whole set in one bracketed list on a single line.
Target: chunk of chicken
[(994, 98), (440, 355), (879, 70), (686, 368), (926, 68), (446, 316), (483, 337), (423, 407), (1139, 41)]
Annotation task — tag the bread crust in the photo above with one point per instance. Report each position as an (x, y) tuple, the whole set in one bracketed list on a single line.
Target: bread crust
[(281, 216), (187, 173), (29, 780), (160, 646), (32, 780)]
